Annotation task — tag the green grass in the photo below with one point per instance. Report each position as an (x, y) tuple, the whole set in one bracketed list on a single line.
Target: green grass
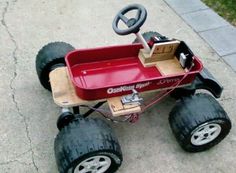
[(225, 8)]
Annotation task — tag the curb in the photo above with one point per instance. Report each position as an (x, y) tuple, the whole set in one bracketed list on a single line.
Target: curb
[(215, 30)]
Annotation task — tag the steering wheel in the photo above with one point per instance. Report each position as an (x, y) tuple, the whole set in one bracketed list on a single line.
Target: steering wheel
[(133, 24)]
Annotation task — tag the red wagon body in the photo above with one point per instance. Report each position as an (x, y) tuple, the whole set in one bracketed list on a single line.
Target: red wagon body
[(105, 72)]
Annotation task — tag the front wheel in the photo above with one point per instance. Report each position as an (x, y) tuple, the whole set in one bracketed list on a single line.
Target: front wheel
[(199, 122), (87, 146), (98, 162)]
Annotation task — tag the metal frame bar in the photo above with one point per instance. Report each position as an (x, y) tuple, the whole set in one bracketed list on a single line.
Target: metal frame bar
[(76, 110), (99, 104)]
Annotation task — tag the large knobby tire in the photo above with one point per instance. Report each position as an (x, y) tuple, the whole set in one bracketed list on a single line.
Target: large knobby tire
[(148, 35), (50, 56), (199, 122), (87, 142)]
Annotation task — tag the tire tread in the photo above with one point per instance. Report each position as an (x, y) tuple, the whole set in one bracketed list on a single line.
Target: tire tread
[(81, 137)]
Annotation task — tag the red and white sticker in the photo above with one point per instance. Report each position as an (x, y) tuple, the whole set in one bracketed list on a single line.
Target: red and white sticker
[(127, 88)]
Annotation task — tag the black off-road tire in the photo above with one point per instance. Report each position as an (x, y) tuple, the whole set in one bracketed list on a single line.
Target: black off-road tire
[(147, 36), (196, 113), (48, 58), (83, 139)]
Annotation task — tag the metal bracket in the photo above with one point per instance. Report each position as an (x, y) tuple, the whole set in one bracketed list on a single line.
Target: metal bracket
[(133, 98), (182, 59)]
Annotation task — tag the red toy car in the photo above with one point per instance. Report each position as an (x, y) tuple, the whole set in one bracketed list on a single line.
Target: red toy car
[(120, 76)]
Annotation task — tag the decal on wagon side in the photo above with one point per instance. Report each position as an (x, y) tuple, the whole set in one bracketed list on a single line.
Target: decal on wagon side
[(167, 81), (127, 88)]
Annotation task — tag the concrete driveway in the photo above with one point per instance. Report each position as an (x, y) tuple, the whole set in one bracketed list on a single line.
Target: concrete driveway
[(28, 113)]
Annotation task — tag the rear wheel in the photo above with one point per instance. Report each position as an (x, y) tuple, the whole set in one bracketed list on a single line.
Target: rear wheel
[(50, 57), (87, 146), (199, 122)]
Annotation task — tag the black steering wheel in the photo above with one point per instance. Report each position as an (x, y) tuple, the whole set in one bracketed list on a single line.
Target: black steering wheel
[(133, 24)]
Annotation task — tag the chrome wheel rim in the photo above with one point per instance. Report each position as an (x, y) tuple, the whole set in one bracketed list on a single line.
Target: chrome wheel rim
[(205, 133), (95, 164)]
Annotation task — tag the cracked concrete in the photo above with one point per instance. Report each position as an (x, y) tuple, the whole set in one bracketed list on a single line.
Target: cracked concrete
[(28, 120), (4, 23), (22, 164), (15, 160)]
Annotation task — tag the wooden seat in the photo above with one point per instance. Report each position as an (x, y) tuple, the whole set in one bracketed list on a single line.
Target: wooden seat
[(162, 55), (170, 67)]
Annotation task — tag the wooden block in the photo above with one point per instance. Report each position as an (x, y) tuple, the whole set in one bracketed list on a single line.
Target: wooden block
[(170, 67), (118, 109), (165, 48), (63, 91), (144, 61), (159, 52)]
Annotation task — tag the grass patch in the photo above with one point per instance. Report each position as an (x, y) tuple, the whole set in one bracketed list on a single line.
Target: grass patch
[(225, 8)]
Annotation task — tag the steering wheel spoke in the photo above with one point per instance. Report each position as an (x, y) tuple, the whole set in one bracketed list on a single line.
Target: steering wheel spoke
[(124, 18)]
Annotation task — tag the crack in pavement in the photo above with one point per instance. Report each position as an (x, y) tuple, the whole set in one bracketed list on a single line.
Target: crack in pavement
[(15, 160), (17, 156), (13, 91)]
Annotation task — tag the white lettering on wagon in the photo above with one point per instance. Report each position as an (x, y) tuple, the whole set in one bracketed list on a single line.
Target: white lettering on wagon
[(167, 81), (127, 88)]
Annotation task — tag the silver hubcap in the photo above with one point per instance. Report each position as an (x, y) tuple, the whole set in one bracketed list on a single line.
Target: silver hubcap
[(205, 133), (95, 164)]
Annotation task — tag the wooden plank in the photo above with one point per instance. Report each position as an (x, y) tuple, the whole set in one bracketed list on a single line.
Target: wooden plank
[(170, 67), (63, 90), (118, 109), (64, 95)]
